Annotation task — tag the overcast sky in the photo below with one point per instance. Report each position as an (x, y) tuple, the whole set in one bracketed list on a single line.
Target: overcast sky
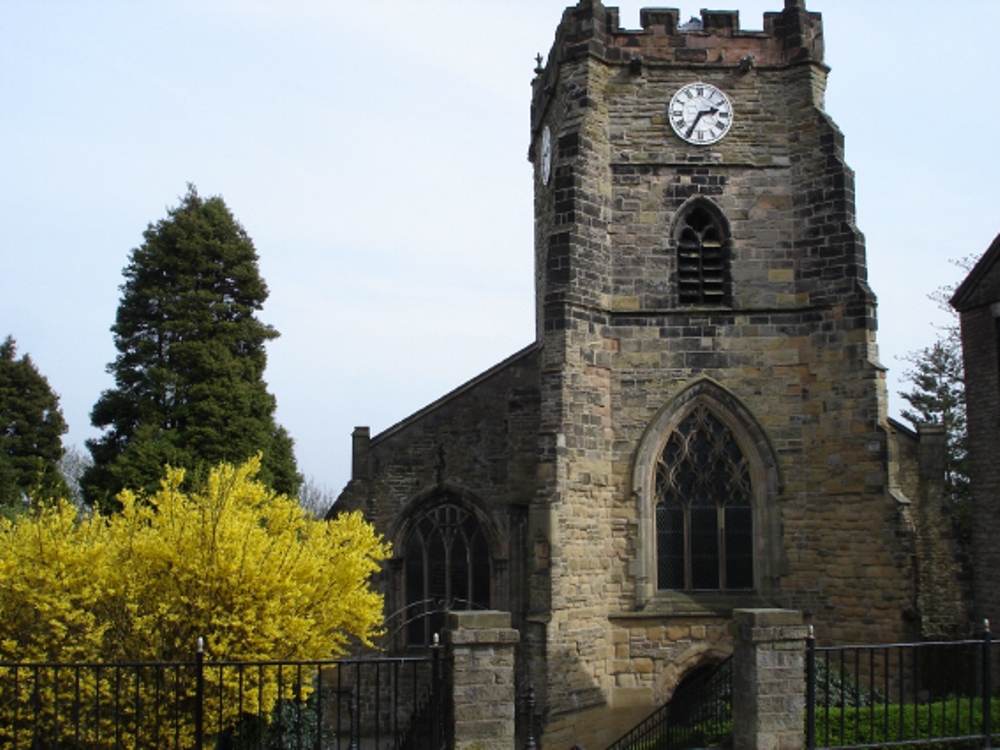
[(376, 154)]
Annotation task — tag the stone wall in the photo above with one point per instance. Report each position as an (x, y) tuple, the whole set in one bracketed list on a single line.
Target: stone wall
[(941, 601), (481, 680), (476, 444), (556, 446), (480, 437), (768, 685), (795, 349)]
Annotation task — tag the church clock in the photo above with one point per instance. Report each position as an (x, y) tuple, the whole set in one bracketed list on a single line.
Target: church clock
[(700, 114), (546, 165)]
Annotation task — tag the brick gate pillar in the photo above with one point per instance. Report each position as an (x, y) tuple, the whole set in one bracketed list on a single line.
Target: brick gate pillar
[(769, 686), (480, 677)]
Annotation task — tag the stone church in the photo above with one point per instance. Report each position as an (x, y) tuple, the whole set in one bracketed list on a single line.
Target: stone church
[(700, 423)]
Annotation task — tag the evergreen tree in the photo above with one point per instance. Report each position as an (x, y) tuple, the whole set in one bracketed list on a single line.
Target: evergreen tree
[(189, 387), (31, 429), (938, 396)]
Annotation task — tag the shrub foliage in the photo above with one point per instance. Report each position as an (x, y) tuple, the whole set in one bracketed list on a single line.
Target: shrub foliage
[(951, 721), (234, 562)]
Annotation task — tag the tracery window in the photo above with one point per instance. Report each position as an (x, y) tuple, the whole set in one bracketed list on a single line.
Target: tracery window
[(704, 508), (446, 567), (702, 258)]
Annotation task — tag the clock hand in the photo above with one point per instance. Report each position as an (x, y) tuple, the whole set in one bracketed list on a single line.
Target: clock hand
[(697, 117), (701, 112)]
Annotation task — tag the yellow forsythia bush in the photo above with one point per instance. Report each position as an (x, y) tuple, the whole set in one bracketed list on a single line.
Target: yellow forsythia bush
[(233, 562), (53, 590)]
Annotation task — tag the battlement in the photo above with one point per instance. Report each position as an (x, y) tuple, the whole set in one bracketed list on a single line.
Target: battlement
[(793, 36), (790, 36)]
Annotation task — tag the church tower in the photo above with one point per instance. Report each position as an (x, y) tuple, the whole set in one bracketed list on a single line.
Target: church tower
[(699, 425), (713, 429)]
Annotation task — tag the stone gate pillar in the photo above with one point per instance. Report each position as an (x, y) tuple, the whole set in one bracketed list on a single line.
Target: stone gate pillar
[(769, 686), (480, 679)]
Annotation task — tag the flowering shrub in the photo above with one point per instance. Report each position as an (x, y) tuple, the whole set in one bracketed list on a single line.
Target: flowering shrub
[(233, 562)]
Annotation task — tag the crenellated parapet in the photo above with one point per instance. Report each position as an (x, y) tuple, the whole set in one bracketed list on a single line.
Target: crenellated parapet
[(789, 37)]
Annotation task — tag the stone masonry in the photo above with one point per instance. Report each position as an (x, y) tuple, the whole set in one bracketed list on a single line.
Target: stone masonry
[(481, 647), (768, 690), (558, 452)]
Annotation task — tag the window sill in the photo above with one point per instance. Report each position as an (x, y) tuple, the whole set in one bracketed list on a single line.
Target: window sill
[(684, 604)]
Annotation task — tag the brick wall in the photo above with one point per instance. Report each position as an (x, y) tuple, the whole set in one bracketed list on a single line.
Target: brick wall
[(977, 301)]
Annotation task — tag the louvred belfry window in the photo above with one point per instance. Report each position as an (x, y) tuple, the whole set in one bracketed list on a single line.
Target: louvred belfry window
[(702, 259), (704, 512)]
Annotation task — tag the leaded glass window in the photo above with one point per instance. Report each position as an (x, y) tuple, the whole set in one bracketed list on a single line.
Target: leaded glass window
[(702, 259), (446, 567), (704, 510)]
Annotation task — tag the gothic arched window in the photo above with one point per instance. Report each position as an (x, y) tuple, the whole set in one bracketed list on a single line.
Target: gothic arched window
[(702, 256), (704, 508), (446, 563)]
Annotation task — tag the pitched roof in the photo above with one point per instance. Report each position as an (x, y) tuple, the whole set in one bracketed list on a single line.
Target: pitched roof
[(982, 285)]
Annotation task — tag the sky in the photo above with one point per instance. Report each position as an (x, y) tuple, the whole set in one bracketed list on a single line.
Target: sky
[(376, 153)]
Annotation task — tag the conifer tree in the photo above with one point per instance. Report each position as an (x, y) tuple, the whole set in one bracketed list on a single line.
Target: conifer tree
[(189, 386), (937, 395), (31, 429)]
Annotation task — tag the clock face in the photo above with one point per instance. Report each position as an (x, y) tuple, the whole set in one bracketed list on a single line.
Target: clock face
[(700, 114), (546, 165)]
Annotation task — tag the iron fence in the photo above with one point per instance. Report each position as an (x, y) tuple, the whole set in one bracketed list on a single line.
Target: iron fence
[(699, 714), (900, 694), (344, 704)]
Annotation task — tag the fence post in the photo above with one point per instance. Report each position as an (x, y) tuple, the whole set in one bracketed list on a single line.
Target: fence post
[(199, 699), (437, 719), (987, 686), (481, 662), (530, 742), (811, 689), (768, 690), (354, 709)]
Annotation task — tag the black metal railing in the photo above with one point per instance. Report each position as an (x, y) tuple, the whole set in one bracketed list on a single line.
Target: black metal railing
[(700, 714), (419, 622), (269, 705), (900, 694)]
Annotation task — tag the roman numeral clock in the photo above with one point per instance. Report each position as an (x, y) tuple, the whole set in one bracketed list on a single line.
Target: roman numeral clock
[(700, 114)]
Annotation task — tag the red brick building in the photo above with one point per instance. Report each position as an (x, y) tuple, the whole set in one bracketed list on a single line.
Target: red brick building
[(977, 301)]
